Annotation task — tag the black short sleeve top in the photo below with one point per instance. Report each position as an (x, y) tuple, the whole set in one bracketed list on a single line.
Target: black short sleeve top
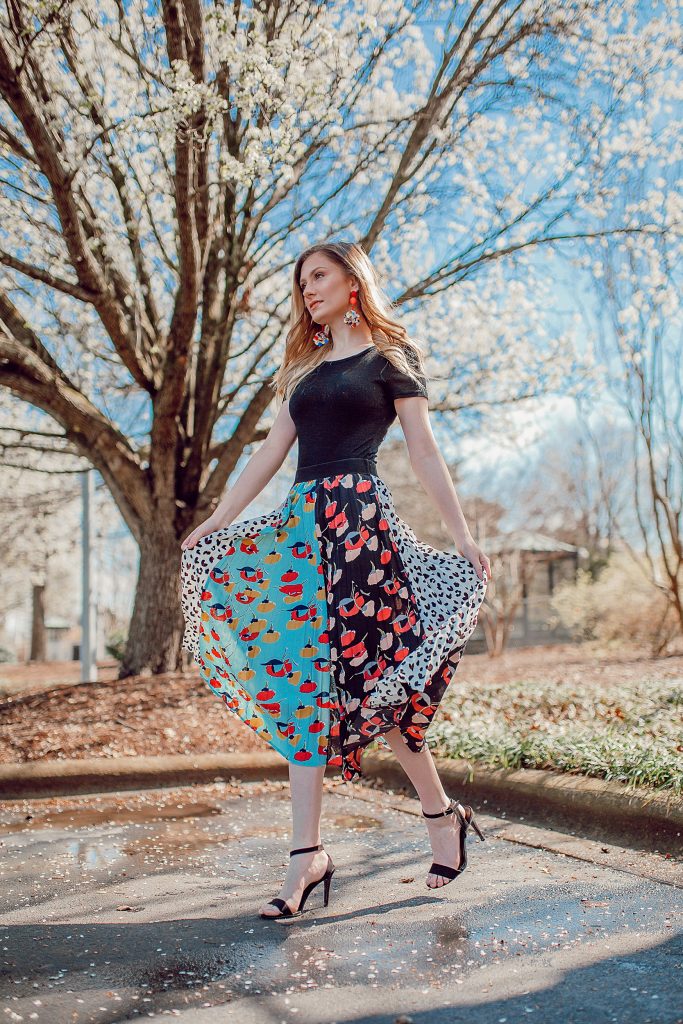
[(344, 408)]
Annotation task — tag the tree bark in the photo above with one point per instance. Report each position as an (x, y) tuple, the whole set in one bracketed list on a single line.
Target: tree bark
[(38, 637), (156, 624)]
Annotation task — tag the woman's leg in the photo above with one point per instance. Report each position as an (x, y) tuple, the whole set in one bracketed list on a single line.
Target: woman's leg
[(306, 791), (421, 770)]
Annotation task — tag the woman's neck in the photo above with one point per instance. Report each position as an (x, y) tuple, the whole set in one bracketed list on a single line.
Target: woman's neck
[(348, 339)]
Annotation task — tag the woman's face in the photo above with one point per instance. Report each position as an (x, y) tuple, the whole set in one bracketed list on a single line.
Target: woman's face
[(325, 286)]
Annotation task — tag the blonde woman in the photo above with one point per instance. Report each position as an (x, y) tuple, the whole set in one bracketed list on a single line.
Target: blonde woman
[(326, 624)]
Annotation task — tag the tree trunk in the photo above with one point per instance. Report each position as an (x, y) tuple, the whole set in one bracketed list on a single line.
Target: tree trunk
[(38, 637), (156, 624)]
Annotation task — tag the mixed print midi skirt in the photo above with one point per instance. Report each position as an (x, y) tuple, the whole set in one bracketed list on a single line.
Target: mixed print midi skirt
[(326, 622)]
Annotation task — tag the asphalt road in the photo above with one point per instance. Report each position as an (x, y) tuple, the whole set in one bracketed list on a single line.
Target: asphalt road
[(144, 904)]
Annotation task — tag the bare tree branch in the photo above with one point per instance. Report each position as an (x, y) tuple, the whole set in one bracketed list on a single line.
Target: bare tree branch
[(38, 274)]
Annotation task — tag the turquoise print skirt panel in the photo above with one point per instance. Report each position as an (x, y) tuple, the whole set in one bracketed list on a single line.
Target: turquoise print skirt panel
[(263, 643)]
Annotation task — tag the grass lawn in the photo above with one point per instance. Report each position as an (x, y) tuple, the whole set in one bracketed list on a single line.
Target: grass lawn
[(632, 733)]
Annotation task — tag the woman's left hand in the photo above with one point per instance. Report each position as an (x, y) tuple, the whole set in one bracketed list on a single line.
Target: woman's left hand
[(470, 550)]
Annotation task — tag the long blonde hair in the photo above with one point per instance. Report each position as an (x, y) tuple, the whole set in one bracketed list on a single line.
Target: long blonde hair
[(390, 337)]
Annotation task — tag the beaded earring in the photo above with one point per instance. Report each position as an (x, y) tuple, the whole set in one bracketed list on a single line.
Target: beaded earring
[(351, 317), (322, 337)]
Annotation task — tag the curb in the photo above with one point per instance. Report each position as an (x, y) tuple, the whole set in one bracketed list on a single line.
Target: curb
[(104, 775), (552, 798), (575, 800)]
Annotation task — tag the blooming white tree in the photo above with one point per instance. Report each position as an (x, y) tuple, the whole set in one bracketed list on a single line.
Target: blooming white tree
[(162, 163), (641, 340)]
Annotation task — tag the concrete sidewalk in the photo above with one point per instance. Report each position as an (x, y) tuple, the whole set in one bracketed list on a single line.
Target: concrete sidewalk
[(145, 904)]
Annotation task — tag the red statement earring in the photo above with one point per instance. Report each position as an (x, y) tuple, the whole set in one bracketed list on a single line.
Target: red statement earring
[(351, 317)]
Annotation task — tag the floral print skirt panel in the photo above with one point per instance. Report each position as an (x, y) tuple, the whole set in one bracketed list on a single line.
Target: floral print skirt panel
[(326, 622)]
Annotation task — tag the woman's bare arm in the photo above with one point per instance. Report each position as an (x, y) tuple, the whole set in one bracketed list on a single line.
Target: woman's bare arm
[(259, 470), (428, 464)]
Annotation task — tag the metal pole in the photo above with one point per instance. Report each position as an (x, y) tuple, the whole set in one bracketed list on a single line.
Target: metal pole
[(88, 647)]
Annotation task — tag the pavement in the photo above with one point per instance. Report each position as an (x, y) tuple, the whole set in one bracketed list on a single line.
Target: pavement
[(116, 906)]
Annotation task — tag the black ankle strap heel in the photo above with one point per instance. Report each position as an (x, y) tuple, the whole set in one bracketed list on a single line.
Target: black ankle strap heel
[(284, 908), (306, 849), (466, 818)]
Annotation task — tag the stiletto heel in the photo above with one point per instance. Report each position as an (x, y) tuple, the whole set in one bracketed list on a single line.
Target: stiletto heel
[(466, 818), (473, 823), (284, 908)]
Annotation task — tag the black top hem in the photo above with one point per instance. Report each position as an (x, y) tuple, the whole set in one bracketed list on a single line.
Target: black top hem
[(335, 466)]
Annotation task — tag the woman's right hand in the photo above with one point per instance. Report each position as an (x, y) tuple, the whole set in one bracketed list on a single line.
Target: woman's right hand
[(210, 525)]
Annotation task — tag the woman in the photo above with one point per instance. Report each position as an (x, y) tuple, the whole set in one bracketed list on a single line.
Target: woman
[(326, 623)]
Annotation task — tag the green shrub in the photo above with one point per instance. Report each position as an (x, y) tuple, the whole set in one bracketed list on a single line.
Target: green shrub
[(116, 644)]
